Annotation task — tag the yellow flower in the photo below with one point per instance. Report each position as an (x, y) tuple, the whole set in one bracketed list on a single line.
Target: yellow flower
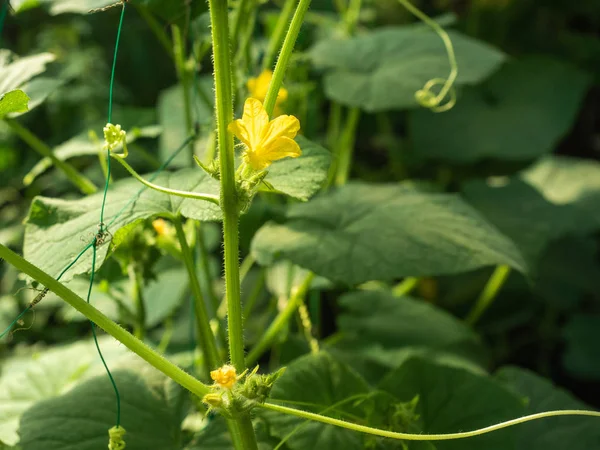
[(160, 226), (259, 86), (266, 141), (224, 376)]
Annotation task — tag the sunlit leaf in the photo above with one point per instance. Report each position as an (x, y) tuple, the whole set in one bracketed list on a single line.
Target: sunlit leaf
[(13, 102)]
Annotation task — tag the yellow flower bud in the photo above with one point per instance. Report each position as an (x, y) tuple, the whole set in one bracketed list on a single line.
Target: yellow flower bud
[(225, 376)]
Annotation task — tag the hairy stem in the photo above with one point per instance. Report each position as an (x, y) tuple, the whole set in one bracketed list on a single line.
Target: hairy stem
[(422, 437), (345, 148), (185, 194), (278, 33), (229, 202), (78, 179), (206, 339), (131, 342), (285, 54)]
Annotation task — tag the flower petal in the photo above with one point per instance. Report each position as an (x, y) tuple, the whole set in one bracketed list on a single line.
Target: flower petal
[(239, 130), (256, 120), (282, 126), (279, 148)]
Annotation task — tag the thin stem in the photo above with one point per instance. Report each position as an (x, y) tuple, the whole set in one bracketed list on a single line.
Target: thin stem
[(352, 15), (137, 281), (285, 54), (127, 339), (184, 78), (489, 293), (405, 287), (422, 437), (333, 125), (307, 326), (278, 33), (185, 194), (206, 339), (346, 148), (239, 19), (156, 28), (280, 321), (229, 205), (78, 179)]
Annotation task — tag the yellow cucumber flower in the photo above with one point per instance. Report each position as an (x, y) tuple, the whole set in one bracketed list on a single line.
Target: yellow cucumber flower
[(258, 87), (225, 376), (266, 141)]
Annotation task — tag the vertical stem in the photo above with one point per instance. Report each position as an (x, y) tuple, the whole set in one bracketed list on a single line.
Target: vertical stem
[(346, 148), (278, 33), (489, 293), (405, 287), (284, 56), (137, 281), (352, 14), (229, 203), (78, 179), (184, 78), (205, 337), (156, 28)]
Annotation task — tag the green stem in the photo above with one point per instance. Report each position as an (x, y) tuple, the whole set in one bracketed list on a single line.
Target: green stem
[(229, 204), (489, 293), (184, 78), (206, 339), (422, 437), (280, 321), (278, 33), (405, 286), (284, 55), (185, 194), (346, 148), (156, 28), (131, 342), (78, 179), (239, 19), (333, 125), (245, 267), (137, 281), (352, 15)]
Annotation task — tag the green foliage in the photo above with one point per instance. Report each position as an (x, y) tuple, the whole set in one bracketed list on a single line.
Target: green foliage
[(366, 232), (383, 69), (540, 395), (152, 415), (518, 114), (13, 102)]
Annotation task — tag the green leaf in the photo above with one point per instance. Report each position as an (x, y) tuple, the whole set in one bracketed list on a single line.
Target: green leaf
[(317, 382), (14, 74), (452, 400), (569, 181), (581, 334), (523, 214), (13, 102), (171, 114), (301, 177), (518, 114), (39, 89), (27, 380), (383, 69), (74, 6), (57, 230), (80, 419), (575, 433), (377, 326), (364, 232)]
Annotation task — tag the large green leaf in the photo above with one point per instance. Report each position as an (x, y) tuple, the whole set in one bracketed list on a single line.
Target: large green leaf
[(13, 102), (582, 354), (366, 232), (317, 382), (57, 230), (13, 74), (452, 400), (524, 215), (303, 176), (574, 433), (42, 375), (383, 69), (518, 114), (569, 181), (377, 326), (151, 413)]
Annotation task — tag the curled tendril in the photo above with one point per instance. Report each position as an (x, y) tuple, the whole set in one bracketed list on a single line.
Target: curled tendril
[(114, 136), (425, 97), (115, 438)]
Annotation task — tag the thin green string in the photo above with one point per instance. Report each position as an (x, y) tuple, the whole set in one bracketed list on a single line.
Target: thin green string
[(3, 12)]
